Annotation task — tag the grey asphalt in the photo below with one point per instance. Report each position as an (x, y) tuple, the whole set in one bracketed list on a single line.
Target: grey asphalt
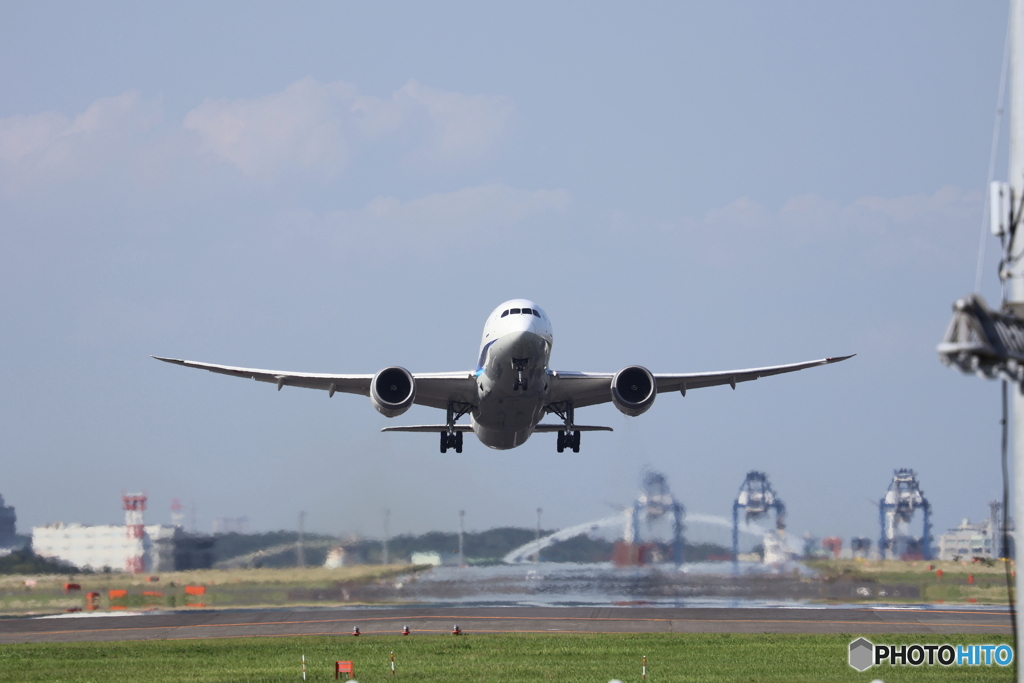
[(427, 620)]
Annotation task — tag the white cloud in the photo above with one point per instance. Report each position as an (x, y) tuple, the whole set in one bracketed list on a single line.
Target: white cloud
[(110, 114), (21, 134), (912, 229), (816, 217), (314, 126), (485, 207), (444, 220), (300, 126), (376, 117), (309, 127), (463, 127), (52, 143)]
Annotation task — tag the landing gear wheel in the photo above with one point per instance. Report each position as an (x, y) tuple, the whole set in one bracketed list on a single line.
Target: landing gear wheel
[(569, 436), (520, 365), (450, 438)]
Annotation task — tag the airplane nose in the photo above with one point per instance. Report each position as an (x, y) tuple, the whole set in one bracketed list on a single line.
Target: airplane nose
[(516, 338), (524, 343), (521, 323)]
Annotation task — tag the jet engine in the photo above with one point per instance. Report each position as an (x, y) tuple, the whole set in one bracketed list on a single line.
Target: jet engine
[(634, 390), (392, 391)]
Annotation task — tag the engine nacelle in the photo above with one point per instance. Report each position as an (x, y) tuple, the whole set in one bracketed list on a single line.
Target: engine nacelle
[(634, 390), (392, 391)]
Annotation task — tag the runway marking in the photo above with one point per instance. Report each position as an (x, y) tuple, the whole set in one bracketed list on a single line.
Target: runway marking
[(428, 631), (929, 611), (551, 618), (445, 631)]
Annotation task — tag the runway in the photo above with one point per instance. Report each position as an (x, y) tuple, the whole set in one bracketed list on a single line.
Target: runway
[(428, 620)]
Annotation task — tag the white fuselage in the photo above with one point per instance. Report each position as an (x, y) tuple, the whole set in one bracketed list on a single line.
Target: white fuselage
[(512, 374)]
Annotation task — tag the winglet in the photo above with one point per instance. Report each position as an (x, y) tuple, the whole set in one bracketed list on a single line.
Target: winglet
[(169, 360), (837, 359)]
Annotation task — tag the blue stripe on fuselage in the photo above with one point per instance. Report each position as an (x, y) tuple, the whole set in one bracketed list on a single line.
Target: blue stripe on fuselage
[(483, 356)]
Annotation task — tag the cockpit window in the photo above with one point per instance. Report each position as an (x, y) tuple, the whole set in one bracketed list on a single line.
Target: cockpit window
[(504, 314), (527, 311), (536, 313), (514, 311)]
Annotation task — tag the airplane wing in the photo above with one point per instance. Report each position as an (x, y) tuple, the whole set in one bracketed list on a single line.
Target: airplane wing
[(433, 429), (592, 388), (433, 389)]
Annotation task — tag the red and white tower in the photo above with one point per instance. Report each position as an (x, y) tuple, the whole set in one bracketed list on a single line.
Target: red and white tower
[(176, 512), (134, 507)]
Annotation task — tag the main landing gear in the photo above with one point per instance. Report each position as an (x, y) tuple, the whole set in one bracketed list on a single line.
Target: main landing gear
[(570, 436), (570, 440), (451, 438)]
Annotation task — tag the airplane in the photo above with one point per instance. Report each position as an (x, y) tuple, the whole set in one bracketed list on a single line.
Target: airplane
[(512, 387)]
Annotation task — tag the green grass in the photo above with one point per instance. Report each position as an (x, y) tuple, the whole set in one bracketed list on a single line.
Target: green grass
[(224, 588), (988, 585), (565, 658)]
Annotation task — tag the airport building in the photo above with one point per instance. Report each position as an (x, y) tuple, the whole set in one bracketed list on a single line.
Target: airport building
[(106, 546), (162, 548), (970, 540), (134, 548)]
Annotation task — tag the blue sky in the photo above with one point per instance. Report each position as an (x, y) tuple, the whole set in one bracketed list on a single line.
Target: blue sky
[(346, 186)]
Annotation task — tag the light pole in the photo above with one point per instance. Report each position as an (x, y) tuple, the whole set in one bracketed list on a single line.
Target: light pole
[(387, 521), (300, 556), (1013, 272), (536, 537), (462, 530)]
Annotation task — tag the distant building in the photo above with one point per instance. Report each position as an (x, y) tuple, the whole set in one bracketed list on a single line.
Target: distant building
[(967, 541), (338, 557), (981, 539), (429, 558), (165, 548), (8, 534), (436, 559), (230, 525), (860, 547)]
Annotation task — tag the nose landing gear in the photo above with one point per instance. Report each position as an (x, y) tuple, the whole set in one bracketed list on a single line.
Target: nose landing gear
[(520, 365)]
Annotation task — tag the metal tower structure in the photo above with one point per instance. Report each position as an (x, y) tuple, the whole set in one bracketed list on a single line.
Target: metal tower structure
[(8, 533), (896, 509), (992, 344), (995, 524), (135, 529), (757, 498), (176, 514), (1014, 280), (656, 500), (300, 553)]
